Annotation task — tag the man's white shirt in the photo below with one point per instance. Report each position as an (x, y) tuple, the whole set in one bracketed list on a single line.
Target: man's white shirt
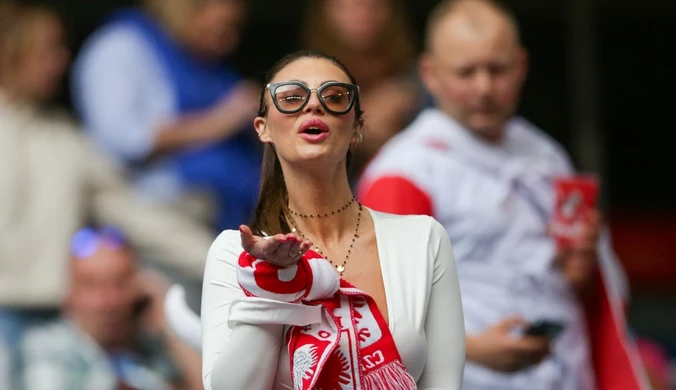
[(495, 201)]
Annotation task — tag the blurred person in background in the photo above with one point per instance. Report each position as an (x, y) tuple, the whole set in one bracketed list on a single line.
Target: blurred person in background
[(52, 180), (487, 176), (113, 333), (155, 93), (373, 39)]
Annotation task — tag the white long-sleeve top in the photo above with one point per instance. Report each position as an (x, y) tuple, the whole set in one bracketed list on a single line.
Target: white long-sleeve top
[(423, 300)]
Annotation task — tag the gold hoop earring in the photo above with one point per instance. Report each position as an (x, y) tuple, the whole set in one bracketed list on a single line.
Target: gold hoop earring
[(359, 136)]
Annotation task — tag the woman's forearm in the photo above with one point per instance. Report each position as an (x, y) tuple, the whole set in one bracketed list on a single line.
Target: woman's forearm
[(248, 360)]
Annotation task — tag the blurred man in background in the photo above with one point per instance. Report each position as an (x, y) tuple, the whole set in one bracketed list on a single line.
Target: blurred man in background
[(488, 177), (52, 181), (113, 331)]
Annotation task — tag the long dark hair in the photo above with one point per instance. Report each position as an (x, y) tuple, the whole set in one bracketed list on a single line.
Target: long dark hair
[(270, 215)]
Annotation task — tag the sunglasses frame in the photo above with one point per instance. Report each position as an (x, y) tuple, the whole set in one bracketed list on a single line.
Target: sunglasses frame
[(354, 89)]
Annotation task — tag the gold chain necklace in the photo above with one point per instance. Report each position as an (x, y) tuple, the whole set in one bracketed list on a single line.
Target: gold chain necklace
[(341, 267)]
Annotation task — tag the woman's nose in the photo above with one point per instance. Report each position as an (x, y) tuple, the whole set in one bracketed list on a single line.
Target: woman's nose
[(313, 104)]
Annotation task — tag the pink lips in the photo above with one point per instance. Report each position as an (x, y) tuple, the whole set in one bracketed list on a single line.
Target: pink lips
[(313, 130)]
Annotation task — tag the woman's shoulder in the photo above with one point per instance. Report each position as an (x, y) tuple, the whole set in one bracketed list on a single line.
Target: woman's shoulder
[(412, 242), (228, 239), (226, 247), (410, 226)]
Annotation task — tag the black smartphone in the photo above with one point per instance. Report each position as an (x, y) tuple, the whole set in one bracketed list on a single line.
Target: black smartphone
[(545, 328)]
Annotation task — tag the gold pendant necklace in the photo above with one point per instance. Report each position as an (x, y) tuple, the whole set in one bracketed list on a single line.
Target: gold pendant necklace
[(340, 267)]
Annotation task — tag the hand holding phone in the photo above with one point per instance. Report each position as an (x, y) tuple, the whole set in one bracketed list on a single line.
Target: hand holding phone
[(545, 328), (499, 349)]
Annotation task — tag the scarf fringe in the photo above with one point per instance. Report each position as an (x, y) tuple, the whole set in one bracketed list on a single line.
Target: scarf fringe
[(392, 376)]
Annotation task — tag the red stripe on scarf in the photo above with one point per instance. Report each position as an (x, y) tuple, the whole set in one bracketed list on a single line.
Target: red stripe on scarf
[(262, 269)]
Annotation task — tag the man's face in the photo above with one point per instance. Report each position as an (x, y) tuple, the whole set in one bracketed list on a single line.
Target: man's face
[(103, 293), (476, 74), (40, 67)]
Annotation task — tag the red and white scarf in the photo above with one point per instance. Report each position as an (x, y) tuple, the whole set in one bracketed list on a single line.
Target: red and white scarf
[(352, 348)]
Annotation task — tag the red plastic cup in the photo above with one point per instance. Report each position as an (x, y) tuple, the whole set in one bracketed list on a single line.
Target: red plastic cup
[(575, 197)]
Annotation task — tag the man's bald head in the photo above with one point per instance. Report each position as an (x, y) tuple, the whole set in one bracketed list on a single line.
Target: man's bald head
[(103, 287), (477, 15), (474, 64)]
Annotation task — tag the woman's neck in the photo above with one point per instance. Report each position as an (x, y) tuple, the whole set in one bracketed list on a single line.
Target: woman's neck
[(321, 195)]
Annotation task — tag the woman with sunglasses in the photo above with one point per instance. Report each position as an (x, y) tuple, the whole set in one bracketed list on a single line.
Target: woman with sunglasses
[(321, 292)]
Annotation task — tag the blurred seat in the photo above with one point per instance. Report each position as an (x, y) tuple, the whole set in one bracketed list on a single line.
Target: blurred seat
[(181, 318)]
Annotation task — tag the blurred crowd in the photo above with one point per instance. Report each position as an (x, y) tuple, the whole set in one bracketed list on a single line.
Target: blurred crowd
[(101, 210)]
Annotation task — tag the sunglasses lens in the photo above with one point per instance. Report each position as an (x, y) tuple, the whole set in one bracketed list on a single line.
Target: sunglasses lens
[(337, 98), (112, 237), (290, 97), (87, 241), (83, 244)]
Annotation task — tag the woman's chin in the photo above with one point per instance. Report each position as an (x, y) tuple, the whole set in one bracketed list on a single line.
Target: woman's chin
[(317, 155)]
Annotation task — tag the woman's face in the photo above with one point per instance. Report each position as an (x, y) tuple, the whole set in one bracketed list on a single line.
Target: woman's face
[(312, 134), (359, 23)]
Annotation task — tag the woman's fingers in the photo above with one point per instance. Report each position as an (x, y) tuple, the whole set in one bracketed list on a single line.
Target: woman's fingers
[(303, 244), (297, 248), (291, 251), (284, 253), (248, 238), (281, 249), (271, 246)]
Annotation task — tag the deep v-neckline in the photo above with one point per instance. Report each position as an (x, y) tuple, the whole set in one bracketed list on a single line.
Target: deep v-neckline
[(383, 270)]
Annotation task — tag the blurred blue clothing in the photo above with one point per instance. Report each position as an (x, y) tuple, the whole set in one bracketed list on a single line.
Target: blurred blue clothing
[(131, 76)]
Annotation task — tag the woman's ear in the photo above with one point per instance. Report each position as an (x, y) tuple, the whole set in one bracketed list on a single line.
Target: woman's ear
[(357, 133), (260, 124)]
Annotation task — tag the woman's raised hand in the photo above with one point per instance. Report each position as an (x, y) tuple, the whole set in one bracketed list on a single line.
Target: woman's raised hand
[(281, 249)]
